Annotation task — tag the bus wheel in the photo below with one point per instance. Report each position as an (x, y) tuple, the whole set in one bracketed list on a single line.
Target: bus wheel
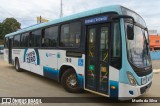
[(17, 66), (69, 81)]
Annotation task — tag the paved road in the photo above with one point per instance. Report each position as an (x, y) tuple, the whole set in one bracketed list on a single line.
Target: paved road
[(27, 84), (156, 64)]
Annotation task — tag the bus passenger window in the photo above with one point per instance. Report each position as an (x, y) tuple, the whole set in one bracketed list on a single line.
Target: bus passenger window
[(75, 30), (24, 40), (64, 35), (35, 39), (16, 41), (50, 37), (70, 35)]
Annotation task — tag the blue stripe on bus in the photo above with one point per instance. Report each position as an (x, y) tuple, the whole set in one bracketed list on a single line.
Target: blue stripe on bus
[(80, 81), (37, 54), (50, 73), (114, 92), (25, 51)]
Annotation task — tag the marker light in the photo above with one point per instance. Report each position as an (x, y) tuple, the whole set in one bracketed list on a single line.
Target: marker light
[(131, 79), (113, 87)]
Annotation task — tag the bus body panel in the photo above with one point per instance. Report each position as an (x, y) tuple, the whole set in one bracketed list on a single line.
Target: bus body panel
[(6, 55), (113, 81), (48, 62), (77, 63), (127, 91)]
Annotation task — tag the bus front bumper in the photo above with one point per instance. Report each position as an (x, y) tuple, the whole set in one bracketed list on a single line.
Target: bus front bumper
[(127, 92)]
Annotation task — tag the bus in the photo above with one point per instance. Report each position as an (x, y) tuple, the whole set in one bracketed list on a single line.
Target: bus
[(104, 51), (1, 49)]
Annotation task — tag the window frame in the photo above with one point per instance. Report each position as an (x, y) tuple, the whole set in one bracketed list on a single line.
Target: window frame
[(69, 22), (28, 39), (43, 35), (113, 34), (111, 44), (14, 41), (30, 33)]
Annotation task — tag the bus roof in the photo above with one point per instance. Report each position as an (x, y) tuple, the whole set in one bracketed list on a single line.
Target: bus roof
[(113, 8)]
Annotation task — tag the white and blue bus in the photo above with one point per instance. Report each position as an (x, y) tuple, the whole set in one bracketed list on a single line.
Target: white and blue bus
[(104, 51), (1, 49)]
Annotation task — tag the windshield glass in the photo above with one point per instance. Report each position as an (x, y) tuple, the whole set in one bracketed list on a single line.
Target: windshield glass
[(138, 48)]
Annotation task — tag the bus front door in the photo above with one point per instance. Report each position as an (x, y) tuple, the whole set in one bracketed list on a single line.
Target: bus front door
[(10, 50), (97, 64)]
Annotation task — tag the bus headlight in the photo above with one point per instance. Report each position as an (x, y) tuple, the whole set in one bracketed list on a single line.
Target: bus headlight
[(144, 80), (131, 79)]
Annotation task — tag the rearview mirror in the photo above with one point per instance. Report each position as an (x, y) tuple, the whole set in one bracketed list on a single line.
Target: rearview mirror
[(130, 32)]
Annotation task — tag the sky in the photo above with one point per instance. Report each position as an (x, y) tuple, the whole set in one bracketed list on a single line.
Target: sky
[(26, 11)]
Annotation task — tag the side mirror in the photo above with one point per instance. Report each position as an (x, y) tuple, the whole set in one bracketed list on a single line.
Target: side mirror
[(130, 32)]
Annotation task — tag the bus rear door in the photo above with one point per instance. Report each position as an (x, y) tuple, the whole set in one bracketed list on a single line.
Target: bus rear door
[(10, 50)]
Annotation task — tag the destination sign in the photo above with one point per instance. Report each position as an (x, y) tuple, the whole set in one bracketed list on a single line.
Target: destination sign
[(96, 20)]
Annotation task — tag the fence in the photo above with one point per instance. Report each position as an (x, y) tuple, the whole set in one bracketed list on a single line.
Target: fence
[(155, 55)]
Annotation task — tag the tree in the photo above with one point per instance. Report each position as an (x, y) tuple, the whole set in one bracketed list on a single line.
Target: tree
[(1, 29), (9, 25), (1, 37)]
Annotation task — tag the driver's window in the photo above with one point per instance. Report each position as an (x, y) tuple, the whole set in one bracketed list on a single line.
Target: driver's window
[(116, 59), (116, 48)]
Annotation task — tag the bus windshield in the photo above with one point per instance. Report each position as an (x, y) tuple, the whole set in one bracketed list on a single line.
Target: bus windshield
[(138, 48)]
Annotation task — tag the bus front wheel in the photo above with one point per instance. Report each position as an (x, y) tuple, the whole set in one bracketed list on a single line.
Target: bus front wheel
[(69, 81), (17, 66)]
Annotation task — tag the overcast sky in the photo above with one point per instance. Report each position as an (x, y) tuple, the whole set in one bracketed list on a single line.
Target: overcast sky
[(26, 11)]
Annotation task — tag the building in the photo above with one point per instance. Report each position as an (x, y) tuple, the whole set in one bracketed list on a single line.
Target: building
[(154, 42)]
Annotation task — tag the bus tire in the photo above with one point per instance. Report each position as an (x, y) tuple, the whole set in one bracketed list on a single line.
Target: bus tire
[(69, 81), (17, 66)]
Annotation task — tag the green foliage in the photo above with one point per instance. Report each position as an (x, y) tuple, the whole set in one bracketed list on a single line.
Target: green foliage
[(9, 25)]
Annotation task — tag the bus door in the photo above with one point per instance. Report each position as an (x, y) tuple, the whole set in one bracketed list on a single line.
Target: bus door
[(97, 64), (10, 50)]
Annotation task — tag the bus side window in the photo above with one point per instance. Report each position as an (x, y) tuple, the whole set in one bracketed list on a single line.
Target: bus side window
[(6, 43), (75, 30), (64, 38), (116, 59), (35, 38), (16, 41), (50, 37), (70, 35), (24, 40)]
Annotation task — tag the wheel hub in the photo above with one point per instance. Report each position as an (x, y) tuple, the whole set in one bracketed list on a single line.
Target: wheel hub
[(72, 81)]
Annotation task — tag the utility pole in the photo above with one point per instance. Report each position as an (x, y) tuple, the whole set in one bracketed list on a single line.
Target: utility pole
[(61, 9), (40, 19)]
